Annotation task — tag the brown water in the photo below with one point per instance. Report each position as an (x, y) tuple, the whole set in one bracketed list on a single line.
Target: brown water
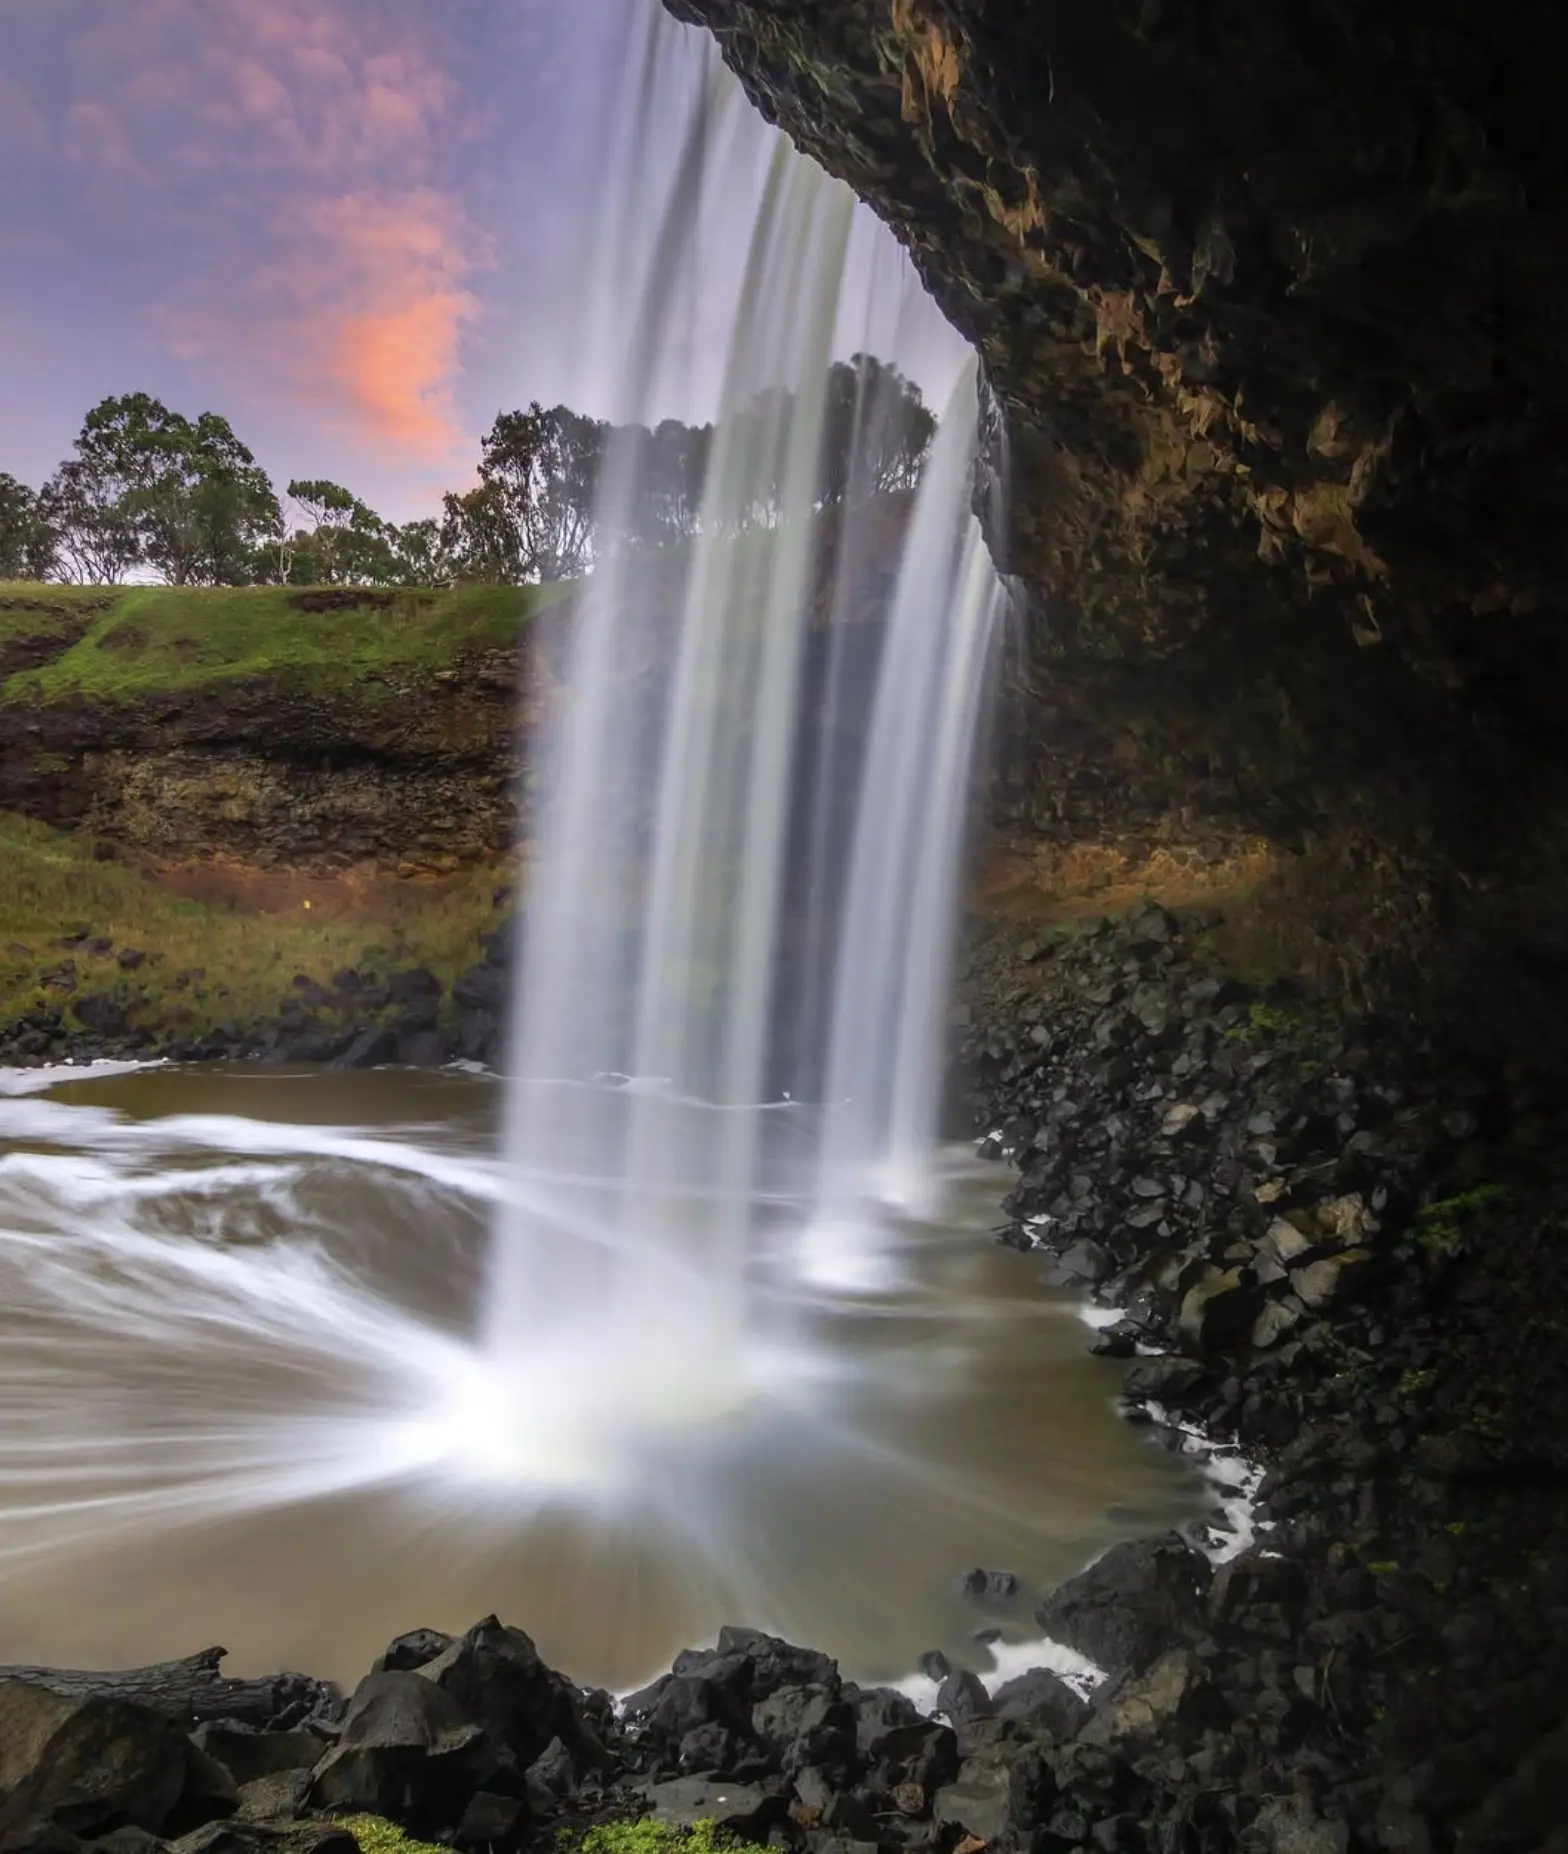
[(239, 1403)]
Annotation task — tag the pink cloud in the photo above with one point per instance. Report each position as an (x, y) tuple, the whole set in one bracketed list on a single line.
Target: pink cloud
[(302, 150)]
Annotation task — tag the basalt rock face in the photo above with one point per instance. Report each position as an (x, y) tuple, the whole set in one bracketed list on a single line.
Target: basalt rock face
[(1273, 297)]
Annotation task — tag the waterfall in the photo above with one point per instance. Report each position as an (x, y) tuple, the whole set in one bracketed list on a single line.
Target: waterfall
[(727, 1046)]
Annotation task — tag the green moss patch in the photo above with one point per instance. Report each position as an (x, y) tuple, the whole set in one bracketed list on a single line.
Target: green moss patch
[(648, 1836), (375, 1835), (142, 641)]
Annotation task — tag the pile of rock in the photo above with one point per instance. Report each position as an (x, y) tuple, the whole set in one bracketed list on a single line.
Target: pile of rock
[(475, 1742)]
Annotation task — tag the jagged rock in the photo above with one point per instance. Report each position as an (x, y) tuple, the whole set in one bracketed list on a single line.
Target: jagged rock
[(807, 1726), (962, 1697), (414, 1649), (492, 1823), (1163, 1380), (775, 1663), (1278, 1318), (85, 1764), (408, 1750), (1289, 1826), (1317, 1283), (736, 1808), (999, 1795), (246, 1753), (1042, 1698), (1218, 1310), (982, 1586), (1140, 1598), (1148, 1708), (267, 1838), (280, 1797), (369, 1049), (496, 1676)]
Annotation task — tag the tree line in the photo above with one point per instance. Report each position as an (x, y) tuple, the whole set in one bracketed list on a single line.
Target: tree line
[(148, 491)]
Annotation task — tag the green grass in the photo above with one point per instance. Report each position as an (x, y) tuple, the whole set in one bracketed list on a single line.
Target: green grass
[(151, 640), (247, 954)]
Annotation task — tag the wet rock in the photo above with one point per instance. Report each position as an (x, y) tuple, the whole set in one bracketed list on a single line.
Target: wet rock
[(736, 1808), (247, 1754), (962, 1697), (408, 1750), (498, 1823), (100, 1014), (1291, 1826), (372, 1047), (1278, 1318), (1219, 1310), (1163, 1380), (1148, 1708), (267, 1838), (85, 1765), (774, 1663), (481, 988), (807, 1726), (495, 1675), (998, 1795), (990, 1586), (1140, 1598), (415, 1649), (1318, 1283), (1040, 1697), (280, 1797)]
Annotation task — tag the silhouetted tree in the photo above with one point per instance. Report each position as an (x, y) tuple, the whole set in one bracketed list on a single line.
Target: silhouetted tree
[(542, 471), (151, 487), (878, 431), (27, 537)]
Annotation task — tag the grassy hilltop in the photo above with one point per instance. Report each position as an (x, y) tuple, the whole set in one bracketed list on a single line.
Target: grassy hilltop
[(211, 941), (118, 643)]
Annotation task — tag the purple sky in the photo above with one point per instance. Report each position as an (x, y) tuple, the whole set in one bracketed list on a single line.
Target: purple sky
[(357, 228)]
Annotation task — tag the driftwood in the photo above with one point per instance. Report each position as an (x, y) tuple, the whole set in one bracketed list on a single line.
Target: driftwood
[(193, 1690)]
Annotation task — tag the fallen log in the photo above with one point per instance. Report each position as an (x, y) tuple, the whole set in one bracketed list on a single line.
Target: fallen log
[(193, 1690)]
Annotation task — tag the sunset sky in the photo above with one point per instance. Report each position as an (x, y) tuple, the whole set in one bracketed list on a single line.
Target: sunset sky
[(357, 228)]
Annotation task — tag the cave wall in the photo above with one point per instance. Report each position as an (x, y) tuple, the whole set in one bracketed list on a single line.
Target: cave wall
[(1272, 296)]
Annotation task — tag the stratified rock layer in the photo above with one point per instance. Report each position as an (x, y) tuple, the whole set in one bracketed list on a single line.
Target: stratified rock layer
[(1273, 296)]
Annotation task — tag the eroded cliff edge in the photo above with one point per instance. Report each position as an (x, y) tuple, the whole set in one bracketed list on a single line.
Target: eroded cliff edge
[(1273, 297)]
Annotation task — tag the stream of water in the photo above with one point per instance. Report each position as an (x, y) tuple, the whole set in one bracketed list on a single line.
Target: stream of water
[(240, 1401)]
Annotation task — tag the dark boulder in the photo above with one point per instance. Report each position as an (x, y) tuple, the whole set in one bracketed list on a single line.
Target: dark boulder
[(409, 1751), (100, 1014), (84, 1765), (1142, 1597), (776, 1663), (1041, 1698), (247, 1754), (1000, 1797), (413, 1650), (481, 988), (369, 1049), (962, 1698), (495, 1675), (807, 1727), (1163, 1380), (495, 1824)]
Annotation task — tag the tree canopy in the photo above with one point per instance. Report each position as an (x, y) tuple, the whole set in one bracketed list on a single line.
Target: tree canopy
[(147, 489)]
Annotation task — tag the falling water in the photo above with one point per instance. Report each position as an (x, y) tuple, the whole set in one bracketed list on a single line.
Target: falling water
[(295, 1361), (654, 1039)]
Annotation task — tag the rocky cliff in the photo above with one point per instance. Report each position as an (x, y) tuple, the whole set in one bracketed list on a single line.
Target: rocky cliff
[(1273, 298)]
